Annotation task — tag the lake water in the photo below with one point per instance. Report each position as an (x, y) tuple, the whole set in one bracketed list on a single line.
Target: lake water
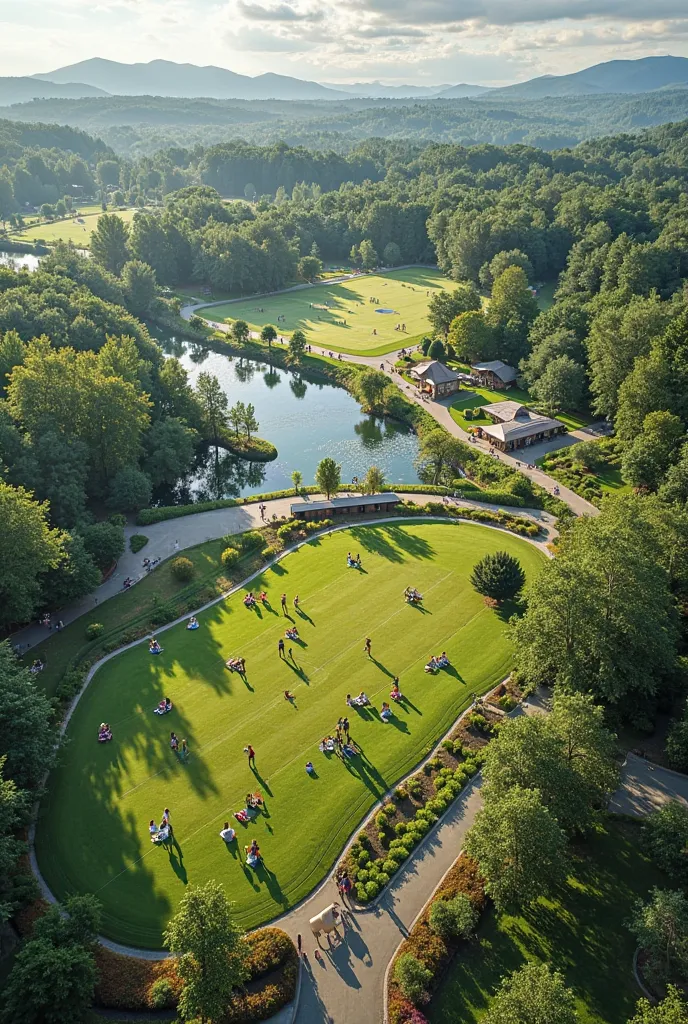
[(305, 421), (19, 260)]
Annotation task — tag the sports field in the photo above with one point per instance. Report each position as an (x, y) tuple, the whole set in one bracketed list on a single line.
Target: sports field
[(76, 229), (341, 316), (93, 829)]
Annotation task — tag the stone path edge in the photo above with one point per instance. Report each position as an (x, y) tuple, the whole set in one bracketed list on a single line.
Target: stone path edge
[(144, 954)]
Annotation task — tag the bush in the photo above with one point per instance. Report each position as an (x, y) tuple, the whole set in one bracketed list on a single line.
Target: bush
[(421, 827), (412, 977), (372, 889), (104, 543), (363, 858), (229, 557), (270, 551), (137, 541), (400, 828), (400, 794), (362, 875), (383, 879), (389, 809), (665, 836), (161, 995), (94, 630), (250, 541), (183, 569), (456, 917), (130, 490), (507, 703), (361, 894), (390, 865)]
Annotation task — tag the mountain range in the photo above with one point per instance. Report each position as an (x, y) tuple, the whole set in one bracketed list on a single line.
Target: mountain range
[(98, 77)]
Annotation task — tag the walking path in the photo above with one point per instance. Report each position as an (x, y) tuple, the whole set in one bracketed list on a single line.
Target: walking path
[(645, 787), (173, 536), (440, 411)]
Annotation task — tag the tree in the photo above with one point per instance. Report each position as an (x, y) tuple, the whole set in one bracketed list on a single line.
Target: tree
[(368, 256), (170, 446), (560, 342), (240, 332), (455, 917), (677, 744), (268, 335), (439, 455), (665, 837), (109, 242), (297, 346), (61, 476), (445, 306), (211, 952), (27, 735), (646, 460), (561, 386), (14, 804), (373, 481), (297, 480), (140, 286), (535, 994), (236, 416), (589, 748), (12, 352), (309, 267), (130, 490), (250, 191), (511, 312), (28, 549), (412, 977), (499, 576), (213, 401), (391, 255), (104, 542), (660, 927), (249, 421), (54, 973), (671, 1010), (437, 350), (471, 337), (489, 272), (355, 255), (519, 847), (372, 385), (328, 476), (75, 576)]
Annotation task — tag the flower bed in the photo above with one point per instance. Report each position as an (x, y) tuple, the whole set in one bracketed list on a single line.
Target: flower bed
[(516, 524), (432, 950), (400, 824)]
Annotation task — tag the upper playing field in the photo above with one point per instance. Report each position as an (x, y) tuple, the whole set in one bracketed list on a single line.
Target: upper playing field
[(76, 229), (341, 316)]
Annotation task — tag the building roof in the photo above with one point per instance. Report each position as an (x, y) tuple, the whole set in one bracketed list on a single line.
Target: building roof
[(436, 372), (502, 370), (387, 497), (518, 428), (506, 411)]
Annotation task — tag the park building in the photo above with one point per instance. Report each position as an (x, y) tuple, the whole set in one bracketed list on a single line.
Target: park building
[(358, 505), (515, 426), (495, 375), (435, 379)]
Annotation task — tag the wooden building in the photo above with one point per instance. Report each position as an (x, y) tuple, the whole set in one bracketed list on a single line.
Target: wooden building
[(516, 426), (435, 378), (359, 505), (496, 375)]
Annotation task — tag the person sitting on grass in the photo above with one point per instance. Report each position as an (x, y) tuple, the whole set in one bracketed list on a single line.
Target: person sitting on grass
[(163, 707), (326, 745), (442, 661), (104, 733), (386, 712), (192, 623), (162, 832), (250, 600), (431, 665), (309, 768), (412, 595), (37, 666), (349, 700), (174, 742), (253, 857), (395, 693), (362, 699), (227, 833), (288, 695), (153, 646), (152, 827), (236, 665), (292, 633)]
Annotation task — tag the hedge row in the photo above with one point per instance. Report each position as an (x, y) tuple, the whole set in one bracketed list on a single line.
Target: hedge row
[(432, 950), (516, 524), (126, 983)]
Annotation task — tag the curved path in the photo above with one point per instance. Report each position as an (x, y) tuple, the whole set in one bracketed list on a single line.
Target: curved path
[(174, 535), (440, 411)]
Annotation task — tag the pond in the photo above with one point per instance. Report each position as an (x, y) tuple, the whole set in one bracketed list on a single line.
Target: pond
[(19, 260), (305, 421)]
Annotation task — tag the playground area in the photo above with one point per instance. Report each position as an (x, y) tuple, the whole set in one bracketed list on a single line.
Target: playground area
[(371, 314)]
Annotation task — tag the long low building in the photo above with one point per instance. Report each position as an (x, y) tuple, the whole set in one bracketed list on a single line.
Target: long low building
[(358, 505), (516, 426)]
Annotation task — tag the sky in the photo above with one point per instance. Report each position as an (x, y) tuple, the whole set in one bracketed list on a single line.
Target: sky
[(419, 42)]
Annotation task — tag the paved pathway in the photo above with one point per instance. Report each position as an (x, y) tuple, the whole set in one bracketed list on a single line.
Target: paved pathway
[(645, 787), (172, 536), (440, 411)]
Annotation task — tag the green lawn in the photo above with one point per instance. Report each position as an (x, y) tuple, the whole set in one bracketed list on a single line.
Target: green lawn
[(75, 229), (582, 933), (472, 397), (92, 831), (593, 484), (404, 291)]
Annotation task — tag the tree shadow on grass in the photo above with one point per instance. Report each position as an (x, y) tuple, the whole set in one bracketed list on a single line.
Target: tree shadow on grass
[(269, 878), (507, 609), (392, 542)]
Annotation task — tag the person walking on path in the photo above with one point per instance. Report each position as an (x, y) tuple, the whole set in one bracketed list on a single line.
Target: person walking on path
[(368, 647), (280, 647), (283, 601), (251, 755)]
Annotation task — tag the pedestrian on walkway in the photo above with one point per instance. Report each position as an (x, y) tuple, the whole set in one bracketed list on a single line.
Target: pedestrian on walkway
[(298, 937), (368, 647), (251, 755), (280, 647)]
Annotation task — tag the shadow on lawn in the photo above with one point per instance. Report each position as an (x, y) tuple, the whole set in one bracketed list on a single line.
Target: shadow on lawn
[(392, 542)]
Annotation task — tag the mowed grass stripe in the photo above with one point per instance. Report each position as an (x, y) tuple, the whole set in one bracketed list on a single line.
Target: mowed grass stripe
[(92, 834)]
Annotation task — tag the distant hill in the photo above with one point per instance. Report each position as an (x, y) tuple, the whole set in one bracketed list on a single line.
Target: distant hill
[(165, 78), (378, 90), (22, 90), (464, 91), (615, 76)]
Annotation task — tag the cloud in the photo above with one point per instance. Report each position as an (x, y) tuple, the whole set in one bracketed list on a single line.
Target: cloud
[(279, 13), (514, 12)]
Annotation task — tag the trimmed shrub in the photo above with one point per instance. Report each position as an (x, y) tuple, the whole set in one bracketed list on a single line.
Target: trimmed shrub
[(271, 551), (161, 995), (400, 793), (400, 828), (137, 541), (372, 889), (412, 977), (389, 866), (249, 541), (362, 875), (183, 569), (421, 827), (383, 879), (229, 557), (361, 894), (94, 630), (457, 917), (363, 859)]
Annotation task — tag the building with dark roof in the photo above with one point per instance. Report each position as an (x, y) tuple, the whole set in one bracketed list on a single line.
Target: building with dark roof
[(496, 375), (515, 426), (358, 505), (435, 378)]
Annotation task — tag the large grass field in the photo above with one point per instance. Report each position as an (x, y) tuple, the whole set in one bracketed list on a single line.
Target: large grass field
[(472, 397), (74, 229), (582, 933), (92, 832), (320, 311)]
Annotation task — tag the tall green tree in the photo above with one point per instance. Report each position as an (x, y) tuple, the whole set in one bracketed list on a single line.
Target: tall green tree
[(368, 256), (371, 387), (328, 476), (249, 421), (240, 332), (109, 242), (309, 267), (499, 576), (660, 926), (211, 952), (268, 335), (28, 549), (139, 283), (297, 346), (170, 447), (673, 1009), (647, 458), (12, 352), (445, 306), (561, 386), (439, 456), (535, 994), (511, 312), (665, 837), (373, 481), (27, 734), (213, 402), (297, 480), (14, 805), (472, 337)]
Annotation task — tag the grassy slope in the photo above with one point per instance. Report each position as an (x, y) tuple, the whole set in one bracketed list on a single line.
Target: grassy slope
[(582, 933), (70, 230), (348, 301), (92, 834)]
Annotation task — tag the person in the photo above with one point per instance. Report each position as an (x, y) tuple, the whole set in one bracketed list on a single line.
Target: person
[(443, 660), (249, 600), (37, 666), (395, 692), (166, 819), (174, 742), (292, 633), (344, 884), (345, 727), (192, 623), (263, 598), (309, 768), (362, 699), (280, 647), (104, 733), (152, 827), (431, 665), (386, 712), (153, 646), (163, 707), (283, 601), (288, 695), (185, 750), (227, 833), (349, 700), (368, 646), (251, 755), (296, 602)]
